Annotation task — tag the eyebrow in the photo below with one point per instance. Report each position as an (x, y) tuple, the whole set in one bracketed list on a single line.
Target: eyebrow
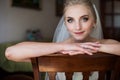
[(81, 16), (68, 17), (85, 16)]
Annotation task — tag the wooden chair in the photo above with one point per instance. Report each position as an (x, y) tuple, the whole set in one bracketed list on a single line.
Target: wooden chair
[(79, 63)]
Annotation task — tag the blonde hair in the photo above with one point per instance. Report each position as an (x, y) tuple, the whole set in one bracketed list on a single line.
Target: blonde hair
[(87, 3)]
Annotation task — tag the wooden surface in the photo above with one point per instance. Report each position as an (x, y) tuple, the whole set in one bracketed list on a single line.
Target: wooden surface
[(101, 62)]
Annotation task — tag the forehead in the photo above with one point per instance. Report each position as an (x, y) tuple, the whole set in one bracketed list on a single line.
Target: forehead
[(77, 10)]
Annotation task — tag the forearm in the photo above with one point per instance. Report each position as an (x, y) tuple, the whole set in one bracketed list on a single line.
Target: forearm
[(110, 48), (26, 50)]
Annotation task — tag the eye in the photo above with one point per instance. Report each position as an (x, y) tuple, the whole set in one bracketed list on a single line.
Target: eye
[(85, 19), (70, 20)]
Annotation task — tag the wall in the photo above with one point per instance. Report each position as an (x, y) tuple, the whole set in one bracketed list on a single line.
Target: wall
[(15, 21)]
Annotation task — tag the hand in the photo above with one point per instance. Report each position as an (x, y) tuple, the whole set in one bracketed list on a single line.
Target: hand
[(73, 52), (91, 46), (81, 48)]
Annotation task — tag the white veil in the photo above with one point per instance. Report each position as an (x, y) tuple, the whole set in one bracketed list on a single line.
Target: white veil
[(61, 32)]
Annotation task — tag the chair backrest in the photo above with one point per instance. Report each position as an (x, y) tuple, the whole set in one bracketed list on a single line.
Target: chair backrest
[(79, 63)]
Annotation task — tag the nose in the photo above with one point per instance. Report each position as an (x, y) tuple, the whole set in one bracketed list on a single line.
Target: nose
[(78, 25)]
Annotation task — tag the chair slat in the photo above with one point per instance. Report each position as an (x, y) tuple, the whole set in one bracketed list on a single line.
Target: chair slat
[(52, 75), (69, 75), (35, 69), (102, 75), (86, 75)]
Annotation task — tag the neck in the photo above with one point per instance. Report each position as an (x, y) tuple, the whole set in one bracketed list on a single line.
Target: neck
[(88, 39)]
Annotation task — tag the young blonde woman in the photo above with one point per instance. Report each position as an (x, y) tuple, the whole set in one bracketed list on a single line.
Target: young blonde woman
[(80, 20)]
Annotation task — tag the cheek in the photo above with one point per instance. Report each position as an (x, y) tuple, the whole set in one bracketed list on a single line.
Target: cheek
[(69, 27), (88, 26)]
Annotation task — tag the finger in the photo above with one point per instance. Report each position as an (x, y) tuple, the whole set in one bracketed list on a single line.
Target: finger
[(76, 53), (81, 51), (69, 51), (86, 51), (65, 52), (89, 47), (92, 51), (89, 53), (96, 44)]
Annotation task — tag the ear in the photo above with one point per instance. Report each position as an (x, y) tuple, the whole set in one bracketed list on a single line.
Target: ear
[(94, 25)]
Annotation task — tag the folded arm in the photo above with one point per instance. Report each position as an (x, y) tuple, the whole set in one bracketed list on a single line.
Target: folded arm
[(26, 50), (110, 46)]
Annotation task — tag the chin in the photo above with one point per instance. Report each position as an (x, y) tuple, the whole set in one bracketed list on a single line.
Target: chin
[(79, 38)]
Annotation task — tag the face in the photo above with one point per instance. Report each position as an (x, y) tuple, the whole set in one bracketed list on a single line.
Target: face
[(79, 21)]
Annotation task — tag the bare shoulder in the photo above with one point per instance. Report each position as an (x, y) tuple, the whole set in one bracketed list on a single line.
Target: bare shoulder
[(68, 40), (109, 41)]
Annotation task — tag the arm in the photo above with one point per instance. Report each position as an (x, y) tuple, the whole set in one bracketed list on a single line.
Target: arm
[(26, 50), (110, 46)]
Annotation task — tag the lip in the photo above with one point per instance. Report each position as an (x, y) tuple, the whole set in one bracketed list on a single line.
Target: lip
[(79, 32)]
